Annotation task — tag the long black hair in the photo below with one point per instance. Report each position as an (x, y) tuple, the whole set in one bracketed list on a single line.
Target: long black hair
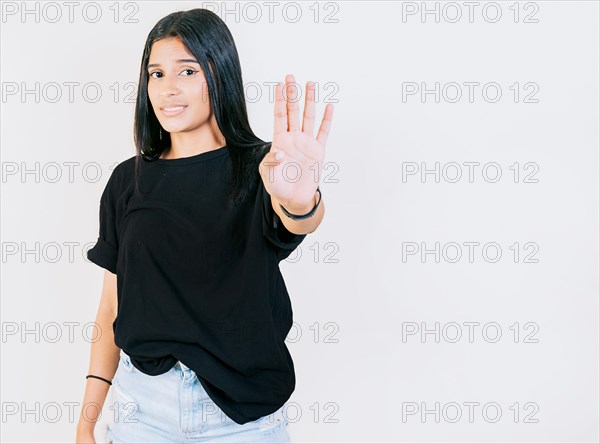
[(208, 39)]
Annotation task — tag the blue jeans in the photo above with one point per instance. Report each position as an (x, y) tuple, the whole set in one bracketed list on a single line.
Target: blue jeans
[(175, 408)]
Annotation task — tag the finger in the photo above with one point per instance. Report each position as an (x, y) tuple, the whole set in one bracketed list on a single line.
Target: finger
[(280, 125), (291, 95), (325, 125), (309, 109)]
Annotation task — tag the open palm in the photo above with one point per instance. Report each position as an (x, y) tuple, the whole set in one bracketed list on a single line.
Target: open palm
[(293, 179)]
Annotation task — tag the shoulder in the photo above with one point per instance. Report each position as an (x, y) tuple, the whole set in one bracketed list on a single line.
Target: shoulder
[(125, 166), (123, 171), (121, 176)]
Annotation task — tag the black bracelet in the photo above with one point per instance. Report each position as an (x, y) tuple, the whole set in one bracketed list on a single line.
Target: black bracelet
[(304, 216), (98, 377)]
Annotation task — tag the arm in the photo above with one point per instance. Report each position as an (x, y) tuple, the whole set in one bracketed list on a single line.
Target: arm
[(301, 226), (292, 143), (104, 360)]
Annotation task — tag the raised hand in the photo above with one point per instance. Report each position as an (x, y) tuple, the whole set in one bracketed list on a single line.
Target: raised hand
[(291, 170)]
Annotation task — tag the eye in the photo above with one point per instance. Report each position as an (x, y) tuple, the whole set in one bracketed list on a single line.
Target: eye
[(191, 72)]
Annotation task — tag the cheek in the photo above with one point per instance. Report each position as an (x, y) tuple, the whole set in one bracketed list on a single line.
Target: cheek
[(200, 94), (152, 96), (199, 97)]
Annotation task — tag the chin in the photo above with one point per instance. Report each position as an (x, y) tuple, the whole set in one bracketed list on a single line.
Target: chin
[(175, 129)]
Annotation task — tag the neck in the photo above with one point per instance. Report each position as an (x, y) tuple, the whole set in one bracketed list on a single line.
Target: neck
[(186, 144)]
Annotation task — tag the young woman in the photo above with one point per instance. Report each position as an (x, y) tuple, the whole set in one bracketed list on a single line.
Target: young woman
[(194, 310)]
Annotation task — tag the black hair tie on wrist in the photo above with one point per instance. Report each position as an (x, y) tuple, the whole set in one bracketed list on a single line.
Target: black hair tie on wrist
[(304, 216), (98, 377)]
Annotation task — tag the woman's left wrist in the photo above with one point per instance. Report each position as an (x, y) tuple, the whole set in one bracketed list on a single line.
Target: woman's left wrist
[(301, 209), (298, 212)]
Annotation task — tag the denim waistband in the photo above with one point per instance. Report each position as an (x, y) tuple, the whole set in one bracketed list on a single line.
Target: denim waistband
[(183, 366), (178, 365)]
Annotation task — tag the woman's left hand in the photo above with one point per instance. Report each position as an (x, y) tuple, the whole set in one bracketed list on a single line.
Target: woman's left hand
[(293, 179)]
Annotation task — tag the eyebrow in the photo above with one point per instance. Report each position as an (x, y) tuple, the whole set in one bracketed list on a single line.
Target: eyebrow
[(178, 61)]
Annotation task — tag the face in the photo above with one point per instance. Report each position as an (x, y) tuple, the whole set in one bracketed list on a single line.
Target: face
[(177, 87)]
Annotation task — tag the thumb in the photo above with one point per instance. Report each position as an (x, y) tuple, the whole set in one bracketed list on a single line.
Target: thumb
[(272, 159), (275, 155)]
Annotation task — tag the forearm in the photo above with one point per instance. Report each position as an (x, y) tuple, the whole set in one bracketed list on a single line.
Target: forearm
[(104, 359), (301, 226)]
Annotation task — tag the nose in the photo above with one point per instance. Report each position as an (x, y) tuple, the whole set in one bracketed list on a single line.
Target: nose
[(169, 87)]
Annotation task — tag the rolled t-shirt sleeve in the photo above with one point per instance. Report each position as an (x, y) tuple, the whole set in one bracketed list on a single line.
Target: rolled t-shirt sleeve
[(106, 250), (275, 231)]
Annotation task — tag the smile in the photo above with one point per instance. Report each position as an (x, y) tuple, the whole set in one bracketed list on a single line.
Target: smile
[(173, 111)]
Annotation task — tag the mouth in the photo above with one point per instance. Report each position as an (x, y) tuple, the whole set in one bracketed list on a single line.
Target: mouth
[(173, 110)]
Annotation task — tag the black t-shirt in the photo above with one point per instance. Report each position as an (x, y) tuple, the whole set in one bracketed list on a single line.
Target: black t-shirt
[(198, 280)]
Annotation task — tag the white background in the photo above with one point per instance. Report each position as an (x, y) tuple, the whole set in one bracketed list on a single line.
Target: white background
[(356, 371)]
